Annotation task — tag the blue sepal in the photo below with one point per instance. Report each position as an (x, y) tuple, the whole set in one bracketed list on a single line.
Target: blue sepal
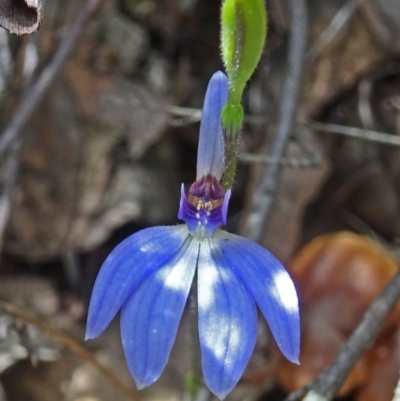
[(150, 318), (125, 269), (271, 287), (227, 321)]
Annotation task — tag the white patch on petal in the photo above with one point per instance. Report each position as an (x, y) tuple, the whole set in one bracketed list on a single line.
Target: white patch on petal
[(209, 281), (225, 345), (210, 278), (176, 278), (226, 342), (284, 292), (146, 248)]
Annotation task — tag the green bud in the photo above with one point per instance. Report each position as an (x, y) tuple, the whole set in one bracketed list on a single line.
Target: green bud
[(232, 117), (243, 32)]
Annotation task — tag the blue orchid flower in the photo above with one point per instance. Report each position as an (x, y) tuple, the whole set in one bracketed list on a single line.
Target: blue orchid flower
[(149, 276)]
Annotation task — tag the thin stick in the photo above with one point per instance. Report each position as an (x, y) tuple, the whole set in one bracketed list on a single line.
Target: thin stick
[(328, 383), (9, 178), (71, 344), (358, 133), (190, 115), (264, 196), (46, 77), (335, 26), (313, 160), (251, 158)]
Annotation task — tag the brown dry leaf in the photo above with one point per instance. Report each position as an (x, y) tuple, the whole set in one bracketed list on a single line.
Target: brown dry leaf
[(320, 341), (375, 199), (383, 17), (296, 191), (353, 53), (337, 277), (345, 260), (383, 362), (297, 188), (129, 109), (74, 190), (81, 177)]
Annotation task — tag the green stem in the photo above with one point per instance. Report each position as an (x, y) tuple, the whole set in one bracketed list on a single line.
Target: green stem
[(194, 377), (231, 149), (232, 119)]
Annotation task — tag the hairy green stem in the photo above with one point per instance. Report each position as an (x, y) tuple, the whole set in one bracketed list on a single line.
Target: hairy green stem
[(231, 150)]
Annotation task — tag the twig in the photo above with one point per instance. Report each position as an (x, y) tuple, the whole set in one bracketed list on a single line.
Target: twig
[(71, 344), (327, 36), (39, 88), (327, 384), (11, 138), (251, 158), (9, 178), (263, 198), (189, 115), (183, 115), (313, 160), (359, 133)]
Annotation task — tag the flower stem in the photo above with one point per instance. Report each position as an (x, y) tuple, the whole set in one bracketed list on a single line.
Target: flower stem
[(193, 379), (232, 144)]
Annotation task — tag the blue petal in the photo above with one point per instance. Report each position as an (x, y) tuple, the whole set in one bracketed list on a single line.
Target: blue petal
[(150, 318), (211, 150), (125, 269), (271, 287), (227, 321)]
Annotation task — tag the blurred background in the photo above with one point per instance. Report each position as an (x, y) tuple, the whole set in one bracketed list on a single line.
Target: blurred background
[(111, 141)]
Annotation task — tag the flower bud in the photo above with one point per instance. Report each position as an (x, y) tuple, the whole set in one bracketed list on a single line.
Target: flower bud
[(243, 31)]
